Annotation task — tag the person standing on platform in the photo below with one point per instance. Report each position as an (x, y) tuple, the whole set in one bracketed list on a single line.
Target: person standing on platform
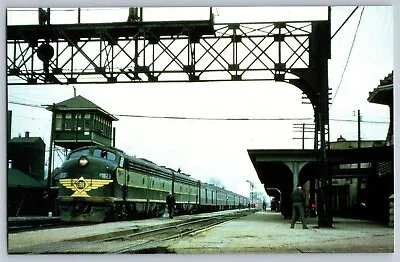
[(298, 203), (170, 204)]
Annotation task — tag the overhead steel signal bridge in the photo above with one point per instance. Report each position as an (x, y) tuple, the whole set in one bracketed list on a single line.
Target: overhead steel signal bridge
[(173, 51)]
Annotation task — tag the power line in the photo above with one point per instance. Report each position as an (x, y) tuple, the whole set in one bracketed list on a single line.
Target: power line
[(245, 119), (348, 57), (25, 100), (218, 119), (362, 121), (25, 104), (181, 118), (345, 21)]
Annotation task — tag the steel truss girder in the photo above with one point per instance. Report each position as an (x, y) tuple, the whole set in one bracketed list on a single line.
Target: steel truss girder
[(93, 53)]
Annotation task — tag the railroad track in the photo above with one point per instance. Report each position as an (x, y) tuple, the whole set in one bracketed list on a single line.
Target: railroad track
[(16, 224), (148, 240)]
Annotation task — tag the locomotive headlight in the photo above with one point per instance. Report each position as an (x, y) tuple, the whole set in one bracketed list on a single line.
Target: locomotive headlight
[(83, 161)]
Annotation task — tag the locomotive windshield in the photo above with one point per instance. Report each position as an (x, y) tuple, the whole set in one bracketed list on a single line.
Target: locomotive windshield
[(77, 154), (104, 154), (100, 153)]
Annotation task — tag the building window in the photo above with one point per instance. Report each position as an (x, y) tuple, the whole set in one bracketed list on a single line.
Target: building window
[(87, 123), (109, 129), (103, 126), (96, 124), (79, 122), (58, 124), (99, 125), (68, 121)]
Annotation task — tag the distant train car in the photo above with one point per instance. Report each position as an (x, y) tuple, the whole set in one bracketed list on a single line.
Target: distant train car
[(99, 183)]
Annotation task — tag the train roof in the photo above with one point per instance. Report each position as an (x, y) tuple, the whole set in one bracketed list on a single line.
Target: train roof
[(147, 164)]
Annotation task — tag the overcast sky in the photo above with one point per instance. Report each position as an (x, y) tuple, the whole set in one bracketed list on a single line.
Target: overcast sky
[(218, 149)]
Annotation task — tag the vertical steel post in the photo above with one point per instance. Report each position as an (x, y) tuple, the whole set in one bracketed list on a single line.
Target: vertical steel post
[(114, 130), (49, 178)]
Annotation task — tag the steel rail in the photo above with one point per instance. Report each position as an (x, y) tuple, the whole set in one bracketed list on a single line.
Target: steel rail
[(74, 247)]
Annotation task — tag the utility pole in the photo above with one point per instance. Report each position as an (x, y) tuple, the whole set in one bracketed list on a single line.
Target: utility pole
[(358, 134), (303, 128), (359, 129), (251, 191), (359, 150)]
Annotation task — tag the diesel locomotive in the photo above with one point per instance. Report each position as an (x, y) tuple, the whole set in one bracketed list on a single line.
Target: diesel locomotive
[(100, 183)]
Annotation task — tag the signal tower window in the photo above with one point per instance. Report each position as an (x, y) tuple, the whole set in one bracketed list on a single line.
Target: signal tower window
[(108, 128), (79, 122), (87, 122), (99, 125), (68, 121), (58, 124), (103, 126)]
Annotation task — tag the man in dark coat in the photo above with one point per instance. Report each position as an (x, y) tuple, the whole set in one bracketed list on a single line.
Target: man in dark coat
[(298, 203), (170, 204)]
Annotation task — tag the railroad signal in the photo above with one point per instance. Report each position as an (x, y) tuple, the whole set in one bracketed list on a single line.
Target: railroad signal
[(44, 16), (135, 15)]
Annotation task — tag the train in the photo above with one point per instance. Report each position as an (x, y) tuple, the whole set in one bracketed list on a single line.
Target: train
[(103, 183)]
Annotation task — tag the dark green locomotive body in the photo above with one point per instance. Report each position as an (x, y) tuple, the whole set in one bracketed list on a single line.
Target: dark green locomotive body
[(99, 183), (87, 184)]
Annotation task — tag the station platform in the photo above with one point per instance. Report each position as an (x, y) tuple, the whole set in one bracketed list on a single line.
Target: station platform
[(260, 233), (267, 232)]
